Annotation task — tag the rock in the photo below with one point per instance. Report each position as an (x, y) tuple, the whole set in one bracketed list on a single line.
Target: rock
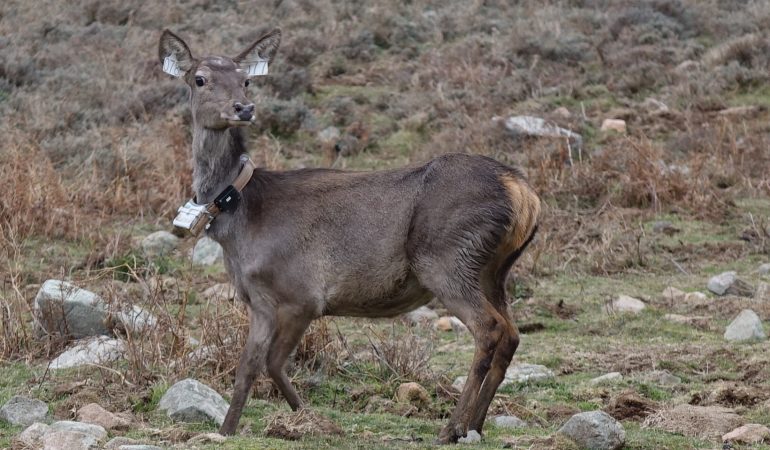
[(98, 432), (96, 350), (191, 401), (421, 315), (596, 430), (509, 422), (207, 252), (764, 269), (220, 292), (612, 377), (729, 283), (139, 447), (459, 383), (447, 323), (23, 411), (763, 292), (119, 441), (31, 436), (68, 440), (695, 421), (654, 106), (673, 295), (413, 394), (159, 243), (626, 304), (473, 437), (740, 111), (745, 327), (377, 404), (695, 297), (614, 125), (207, 438), (665, 227), (662, 378), (328, 135), (132, 319), (561, 112), (526, 373), (537, 127), (94, 414), (752, 433), (701, 322), (61, 307)]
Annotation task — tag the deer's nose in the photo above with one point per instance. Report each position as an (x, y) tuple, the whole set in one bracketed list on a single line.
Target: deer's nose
[(244, 112)]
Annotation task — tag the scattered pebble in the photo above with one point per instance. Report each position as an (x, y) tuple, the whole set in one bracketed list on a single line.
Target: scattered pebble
[(473, 437)]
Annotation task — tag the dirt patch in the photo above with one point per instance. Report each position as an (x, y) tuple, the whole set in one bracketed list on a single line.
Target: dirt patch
[(66, 410), (733, 394), (696, 421), (629, 405), (305, 422), (559, 413)]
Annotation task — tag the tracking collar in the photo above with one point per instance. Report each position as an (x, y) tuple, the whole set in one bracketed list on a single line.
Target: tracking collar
[(195, 217)]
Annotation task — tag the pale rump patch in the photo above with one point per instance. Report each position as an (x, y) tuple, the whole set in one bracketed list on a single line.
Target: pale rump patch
[(525, 205)]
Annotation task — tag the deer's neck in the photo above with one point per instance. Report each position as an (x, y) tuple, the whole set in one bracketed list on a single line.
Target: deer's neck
[(215, 160)]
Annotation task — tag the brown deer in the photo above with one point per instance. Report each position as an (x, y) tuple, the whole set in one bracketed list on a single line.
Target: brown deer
[(308, 243)]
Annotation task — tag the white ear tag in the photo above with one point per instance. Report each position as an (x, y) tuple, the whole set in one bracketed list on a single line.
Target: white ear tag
[(171, 67), (256, 68)]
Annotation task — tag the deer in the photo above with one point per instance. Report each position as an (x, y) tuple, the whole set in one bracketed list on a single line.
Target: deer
[(302, 244)]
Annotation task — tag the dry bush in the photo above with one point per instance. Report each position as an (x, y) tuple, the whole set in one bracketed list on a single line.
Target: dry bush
[(401, 355)]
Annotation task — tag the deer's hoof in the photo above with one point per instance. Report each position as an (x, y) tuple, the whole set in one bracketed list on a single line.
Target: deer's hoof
[(450, 434)]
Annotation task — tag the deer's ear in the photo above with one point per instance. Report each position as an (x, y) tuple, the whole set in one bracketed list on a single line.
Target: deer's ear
[(174, 54), (257, 56)]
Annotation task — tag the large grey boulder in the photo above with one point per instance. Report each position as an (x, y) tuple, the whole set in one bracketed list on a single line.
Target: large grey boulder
[(745, 327), (95, 350), (159, 243), (62, 307), (191, 401), (595, 430), (133, 319), (207, 252), (23, 411), (96, 431)]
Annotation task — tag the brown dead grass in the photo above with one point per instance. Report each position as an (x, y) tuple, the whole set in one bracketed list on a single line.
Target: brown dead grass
[(305, 422), (709, 422)]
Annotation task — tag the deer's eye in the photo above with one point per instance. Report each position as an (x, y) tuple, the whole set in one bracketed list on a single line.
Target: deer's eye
[(200, 81), (246, 83)]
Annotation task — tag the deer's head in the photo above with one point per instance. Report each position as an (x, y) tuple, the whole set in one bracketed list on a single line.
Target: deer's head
[(218, 83)]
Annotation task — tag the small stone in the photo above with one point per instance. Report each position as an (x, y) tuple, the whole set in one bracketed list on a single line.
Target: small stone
[(695, 297), (220, 292), (31, 436), (328, 135), (159, 243), (412, 393), (87, 351), (132, 319), (421, 315), (614, 125), (627, 304), (509, 422), (763, 292), (612, 377), (207, 438), (23, 411), (526, 373), (94, 414), (561, 112), (68, 440), (663, 378), (473, 437), (665, 227), (673, 295), (596, 430), (752, 433), (192, 401), (447, 323), (746, 326), (207, 252), (695, 321), (98, 432), (119, 441), (764, 269), (729, 283), (459, 383), (537, 127)]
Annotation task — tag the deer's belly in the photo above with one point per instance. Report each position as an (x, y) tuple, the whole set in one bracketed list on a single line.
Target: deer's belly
[(379, 301)]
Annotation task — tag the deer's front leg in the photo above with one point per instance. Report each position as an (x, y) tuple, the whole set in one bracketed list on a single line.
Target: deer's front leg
[(261, 327)]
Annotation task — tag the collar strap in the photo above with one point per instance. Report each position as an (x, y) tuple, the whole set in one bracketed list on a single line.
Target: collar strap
[(228, 200)]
